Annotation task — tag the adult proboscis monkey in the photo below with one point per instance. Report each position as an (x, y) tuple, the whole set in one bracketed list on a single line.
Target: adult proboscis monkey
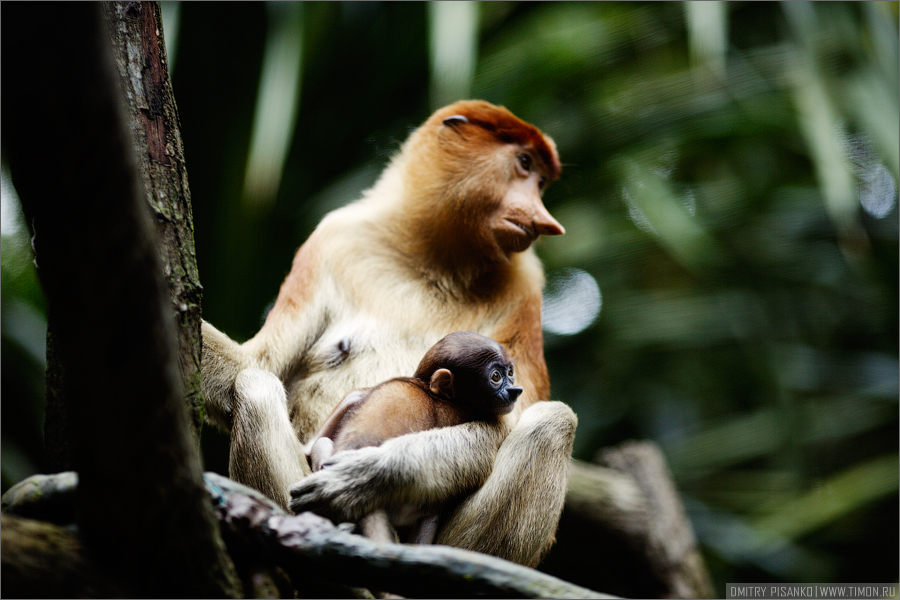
[(440, 243)]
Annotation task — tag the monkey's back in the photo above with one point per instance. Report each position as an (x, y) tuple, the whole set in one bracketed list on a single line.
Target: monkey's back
[(391, 409)]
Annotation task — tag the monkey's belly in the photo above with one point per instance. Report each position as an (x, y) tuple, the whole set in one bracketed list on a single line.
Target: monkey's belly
[(352, 355)]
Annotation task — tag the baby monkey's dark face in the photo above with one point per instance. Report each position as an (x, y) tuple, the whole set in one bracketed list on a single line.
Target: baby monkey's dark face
[(482, 372), (500, 378)]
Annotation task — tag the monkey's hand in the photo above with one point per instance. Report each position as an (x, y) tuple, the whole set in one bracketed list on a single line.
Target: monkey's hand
[(425, 467), (336, 490)]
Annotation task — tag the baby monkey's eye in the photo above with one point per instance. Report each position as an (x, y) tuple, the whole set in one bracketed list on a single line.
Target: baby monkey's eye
[(496, 377), (510, 373)]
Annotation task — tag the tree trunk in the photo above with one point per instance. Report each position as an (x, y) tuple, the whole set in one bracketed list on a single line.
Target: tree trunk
[(98, 261), (139, 50), (140, 53)]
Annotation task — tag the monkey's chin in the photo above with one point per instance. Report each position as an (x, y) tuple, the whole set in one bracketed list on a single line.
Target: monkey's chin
[(513, 237), (504, 409)]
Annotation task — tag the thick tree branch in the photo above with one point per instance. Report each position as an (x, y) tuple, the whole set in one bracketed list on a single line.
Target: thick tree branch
[(316, 552)]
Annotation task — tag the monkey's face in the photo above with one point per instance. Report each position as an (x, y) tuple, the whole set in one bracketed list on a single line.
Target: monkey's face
[(521, 216), (483, 377), (491, 169), (500, 379)]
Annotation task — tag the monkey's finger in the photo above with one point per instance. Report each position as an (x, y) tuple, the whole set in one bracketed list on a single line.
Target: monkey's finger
[(305, 493), (313, 494)]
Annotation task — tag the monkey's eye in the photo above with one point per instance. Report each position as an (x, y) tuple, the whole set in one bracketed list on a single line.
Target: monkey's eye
[(525, 162), (542, 182), (510, 373), (496, 377)]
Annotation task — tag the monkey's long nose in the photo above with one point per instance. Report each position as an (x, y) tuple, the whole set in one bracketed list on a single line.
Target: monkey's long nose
[(514, 392), (544, 223)]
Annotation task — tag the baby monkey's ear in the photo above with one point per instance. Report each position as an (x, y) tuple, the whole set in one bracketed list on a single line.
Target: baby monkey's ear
[(442, 384)]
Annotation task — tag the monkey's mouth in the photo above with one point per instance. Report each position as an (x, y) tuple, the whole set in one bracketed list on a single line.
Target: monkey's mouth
[(514, 236), (529, 232), (505, 409)]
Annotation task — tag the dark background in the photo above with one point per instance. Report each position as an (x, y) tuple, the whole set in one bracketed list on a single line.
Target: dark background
[(728, 283)]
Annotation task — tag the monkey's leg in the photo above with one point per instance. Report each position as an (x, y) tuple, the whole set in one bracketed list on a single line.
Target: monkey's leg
[(515, 513), (320, 451), (425, 530), (265, 452), (377, 527)]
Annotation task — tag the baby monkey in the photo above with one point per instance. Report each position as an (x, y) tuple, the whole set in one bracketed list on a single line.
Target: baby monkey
[(464, 377)]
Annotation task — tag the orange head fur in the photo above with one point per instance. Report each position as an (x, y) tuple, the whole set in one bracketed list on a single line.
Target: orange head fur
[(473, 176), (497, 123)]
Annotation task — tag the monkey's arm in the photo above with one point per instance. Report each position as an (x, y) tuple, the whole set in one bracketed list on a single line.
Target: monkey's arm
[(265, 452), (290, 328), (318, 451), (222, 360), (425, 467), (251, 405), (332, 424), (520, 489)]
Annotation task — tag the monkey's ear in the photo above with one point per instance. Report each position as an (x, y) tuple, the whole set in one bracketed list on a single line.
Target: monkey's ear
[(455, 120), (442, 383)]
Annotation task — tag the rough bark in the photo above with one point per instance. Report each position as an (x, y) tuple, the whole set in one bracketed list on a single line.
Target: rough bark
[(140, 54), (140, 483), (309, 546), (59, 451), (139, 50)]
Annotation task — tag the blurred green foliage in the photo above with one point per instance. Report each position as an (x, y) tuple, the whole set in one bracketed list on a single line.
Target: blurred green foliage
[(730, 185)]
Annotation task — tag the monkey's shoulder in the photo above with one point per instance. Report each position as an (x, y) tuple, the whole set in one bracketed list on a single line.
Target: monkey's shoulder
[(400, 396), (345, 231)]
